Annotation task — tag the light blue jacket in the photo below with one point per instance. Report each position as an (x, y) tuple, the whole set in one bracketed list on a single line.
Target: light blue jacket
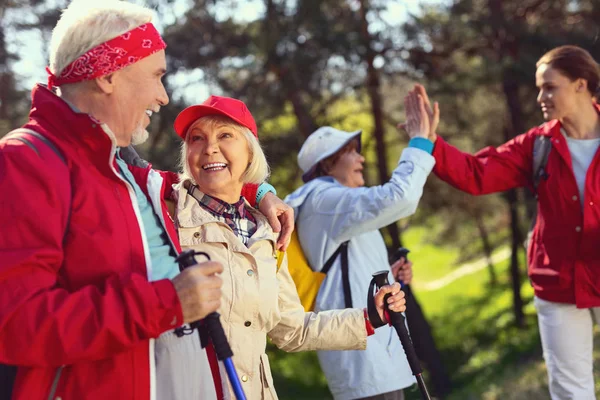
[(327, 214)]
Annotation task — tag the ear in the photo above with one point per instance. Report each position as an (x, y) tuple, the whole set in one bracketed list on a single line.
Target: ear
[(106, 83), (581, 85)]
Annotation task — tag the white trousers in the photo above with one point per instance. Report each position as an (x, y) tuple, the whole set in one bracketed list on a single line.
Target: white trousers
[(182, 368), (568, 344)]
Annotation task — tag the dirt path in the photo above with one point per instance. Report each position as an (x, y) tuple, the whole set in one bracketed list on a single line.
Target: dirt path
[(463, 270)]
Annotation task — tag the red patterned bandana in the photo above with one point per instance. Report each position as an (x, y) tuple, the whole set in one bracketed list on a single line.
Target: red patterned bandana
[(110, 56)]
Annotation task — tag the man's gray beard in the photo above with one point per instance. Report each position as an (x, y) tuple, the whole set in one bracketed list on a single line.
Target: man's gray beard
[(139, 136)]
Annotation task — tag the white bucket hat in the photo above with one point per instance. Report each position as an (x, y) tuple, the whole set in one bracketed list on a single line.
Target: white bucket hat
[(321, 144)]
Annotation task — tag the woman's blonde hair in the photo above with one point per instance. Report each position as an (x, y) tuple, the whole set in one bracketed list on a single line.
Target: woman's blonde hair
[(258, 168), (85, 24)]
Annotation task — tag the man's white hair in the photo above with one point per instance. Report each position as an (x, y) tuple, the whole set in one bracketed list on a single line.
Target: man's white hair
[(85, 24), (258, 169)]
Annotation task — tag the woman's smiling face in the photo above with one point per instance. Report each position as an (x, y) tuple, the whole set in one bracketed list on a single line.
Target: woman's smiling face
[(218, 155)]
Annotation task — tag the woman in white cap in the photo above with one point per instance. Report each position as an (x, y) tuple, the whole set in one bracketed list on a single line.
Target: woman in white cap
[(334, 210), (220, 154)]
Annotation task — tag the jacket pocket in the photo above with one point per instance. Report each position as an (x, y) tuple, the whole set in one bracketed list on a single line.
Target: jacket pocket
[(268, 390)]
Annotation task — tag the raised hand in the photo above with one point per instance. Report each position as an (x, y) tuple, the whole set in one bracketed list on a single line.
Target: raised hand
[(432, 113), (417, 120)]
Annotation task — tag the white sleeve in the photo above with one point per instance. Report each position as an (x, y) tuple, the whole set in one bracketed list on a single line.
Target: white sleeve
[(357, 210)]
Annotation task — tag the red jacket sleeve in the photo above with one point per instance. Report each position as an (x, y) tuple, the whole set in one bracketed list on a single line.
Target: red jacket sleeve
[(41, 323), (489, 170), (249, 192)]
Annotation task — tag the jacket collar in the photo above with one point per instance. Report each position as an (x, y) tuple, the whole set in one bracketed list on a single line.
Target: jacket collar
[(66, 122), (191, 215), (62, 121), (552, 128)]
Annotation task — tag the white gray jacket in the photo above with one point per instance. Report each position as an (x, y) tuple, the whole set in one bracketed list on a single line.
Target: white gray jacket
[(327, 214)]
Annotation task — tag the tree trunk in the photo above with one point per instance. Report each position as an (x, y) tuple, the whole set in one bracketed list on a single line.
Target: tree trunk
[(289, 81), (516, 246), (511, 93), (374, 91), (487, 247)]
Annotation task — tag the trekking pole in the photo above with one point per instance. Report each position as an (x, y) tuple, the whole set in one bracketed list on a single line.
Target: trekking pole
[(214, 329), (401, 252), (397, 321)]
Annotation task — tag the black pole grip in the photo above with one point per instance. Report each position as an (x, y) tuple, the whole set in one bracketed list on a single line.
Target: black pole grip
[(217, 335), (187, 258), (401, 252), (397, 321), (211, 323)]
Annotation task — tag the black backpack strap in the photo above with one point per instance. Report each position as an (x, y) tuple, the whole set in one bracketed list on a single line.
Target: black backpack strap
[(541, 150), (345, 276), (330, 260), (343, 250)]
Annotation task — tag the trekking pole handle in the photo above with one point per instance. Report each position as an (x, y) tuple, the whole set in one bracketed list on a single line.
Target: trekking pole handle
[(215, 330), (397, 320), (401, 252)]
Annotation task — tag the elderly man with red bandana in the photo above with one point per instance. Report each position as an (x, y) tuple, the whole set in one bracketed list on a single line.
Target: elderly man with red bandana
[(90, 291)]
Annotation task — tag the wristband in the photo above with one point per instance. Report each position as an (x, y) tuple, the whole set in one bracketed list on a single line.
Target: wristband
[(421, 143), (263, 189)]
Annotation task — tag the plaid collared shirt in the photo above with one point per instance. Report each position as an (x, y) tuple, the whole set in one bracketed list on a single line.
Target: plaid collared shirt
[(236, 216)]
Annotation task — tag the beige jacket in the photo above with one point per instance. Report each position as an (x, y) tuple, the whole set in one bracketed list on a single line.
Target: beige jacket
[(259, 301)]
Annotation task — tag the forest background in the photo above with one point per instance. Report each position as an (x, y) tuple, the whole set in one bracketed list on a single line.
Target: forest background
[(301, 64)]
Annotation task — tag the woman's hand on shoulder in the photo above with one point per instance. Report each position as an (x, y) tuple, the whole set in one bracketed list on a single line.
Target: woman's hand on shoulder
[(280, 217)]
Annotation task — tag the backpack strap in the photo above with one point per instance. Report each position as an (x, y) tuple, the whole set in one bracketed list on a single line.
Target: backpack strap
[(9, 372), (343, 250), (20, 134), (15, 135), (541, 150), (345, 276)]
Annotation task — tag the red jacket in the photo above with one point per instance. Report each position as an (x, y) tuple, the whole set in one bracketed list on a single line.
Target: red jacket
[(564, 253), (84, 302)]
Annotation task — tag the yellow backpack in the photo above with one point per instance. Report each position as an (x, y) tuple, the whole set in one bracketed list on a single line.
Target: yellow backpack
[(308, 281)]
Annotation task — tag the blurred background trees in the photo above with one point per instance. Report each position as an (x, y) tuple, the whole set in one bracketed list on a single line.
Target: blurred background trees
[(348, 63)]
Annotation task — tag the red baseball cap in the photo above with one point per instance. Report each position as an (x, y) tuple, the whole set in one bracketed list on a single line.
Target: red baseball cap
[(215, 105)]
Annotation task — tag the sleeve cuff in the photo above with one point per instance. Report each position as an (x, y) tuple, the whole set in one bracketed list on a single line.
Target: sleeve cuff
[(368, 325), (173, 315), (263, 189), (421, 143)]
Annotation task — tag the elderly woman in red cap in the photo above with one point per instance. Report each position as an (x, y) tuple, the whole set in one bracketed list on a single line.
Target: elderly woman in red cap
[(220, 154)]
